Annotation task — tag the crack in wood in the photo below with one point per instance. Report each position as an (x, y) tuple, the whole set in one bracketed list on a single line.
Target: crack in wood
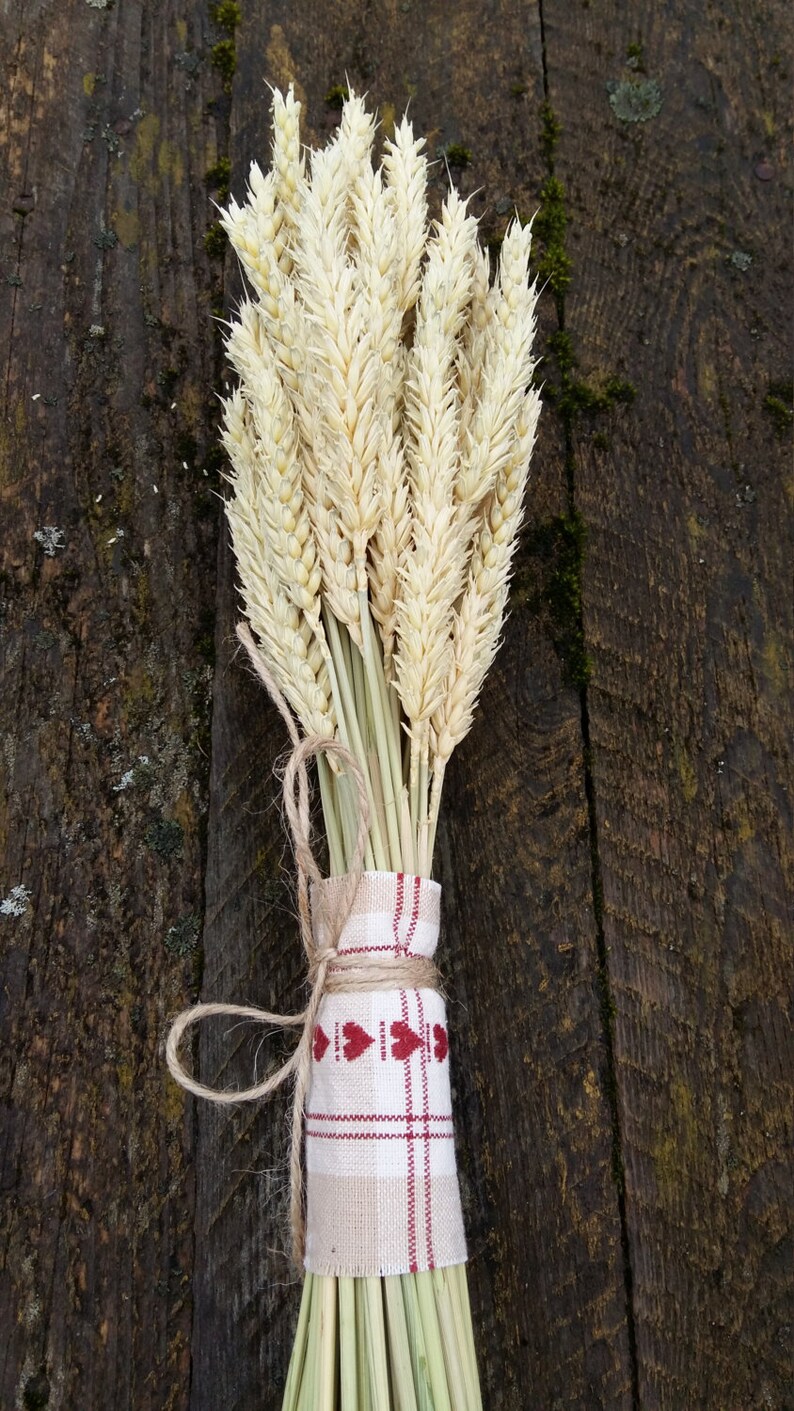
[(567, 415)]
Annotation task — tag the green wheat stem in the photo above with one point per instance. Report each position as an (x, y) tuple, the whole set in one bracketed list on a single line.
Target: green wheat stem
[(348, 1364), (416, 1343), (386, 744), (376, 1343), (400, 1366), (298, 1358), (328, 797), (439, 769), (433, 1343), (365, 1402), (346, 706), (446, 1321)]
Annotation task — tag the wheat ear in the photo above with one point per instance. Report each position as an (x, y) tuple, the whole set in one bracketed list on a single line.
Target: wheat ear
[(479, 617), (432, 567), (405, 195), (474, 340), (406, 182), (282, 500), (284, 630), (378, 292), (432, 571), (288, 169), (345, 428), (504, 351)]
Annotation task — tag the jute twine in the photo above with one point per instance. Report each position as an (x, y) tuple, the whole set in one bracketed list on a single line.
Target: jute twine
[(328, 971)]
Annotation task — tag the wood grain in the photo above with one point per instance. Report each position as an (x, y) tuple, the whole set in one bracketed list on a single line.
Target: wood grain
[(687, 614), (107, 371), (534, 1125), (615, 851)]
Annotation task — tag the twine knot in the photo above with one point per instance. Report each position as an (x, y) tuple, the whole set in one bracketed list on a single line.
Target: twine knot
[(329, 969), (322, 957)]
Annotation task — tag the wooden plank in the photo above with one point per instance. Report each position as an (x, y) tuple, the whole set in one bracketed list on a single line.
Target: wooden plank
[(106, 417), (668, 1287), (680, 234), (519, 946)]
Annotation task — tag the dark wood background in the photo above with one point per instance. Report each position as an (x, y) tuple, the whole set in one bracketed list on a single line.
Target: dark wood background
[(616, 845)]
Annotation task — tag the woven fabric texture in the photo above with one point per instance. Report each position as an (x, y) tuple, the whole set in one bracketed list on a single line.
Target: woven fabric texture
[(381, 1178)]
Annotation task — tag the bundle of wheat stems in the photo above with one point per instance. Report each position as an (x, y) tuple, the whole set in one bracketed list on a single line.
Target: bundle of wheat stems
[(379, 438)]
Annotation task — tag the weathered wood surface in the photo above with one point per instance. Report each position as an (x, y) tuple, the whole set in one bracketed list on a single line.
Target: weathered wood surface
[(615, 846), (107, 410), (687, 617)]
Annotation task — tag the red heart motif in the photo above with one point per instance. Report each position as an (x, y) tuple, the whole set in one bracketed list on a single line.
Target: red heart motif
[(405, 1040), (357, 1040), (321, 1042), (441, 1046)]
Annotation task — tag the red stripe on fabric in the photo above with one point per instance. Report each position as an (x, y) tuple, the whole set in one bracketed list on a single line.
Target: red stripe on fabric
[(414, 1265), (423, 1059), (376, 1117), (366, 950), (383, 1137), (431, 1259), (398, 909), (414, 913)]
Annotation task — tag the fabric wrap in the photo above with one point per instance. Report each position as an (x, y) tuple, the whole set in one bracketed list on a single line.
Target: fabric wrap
[(381, 1179)]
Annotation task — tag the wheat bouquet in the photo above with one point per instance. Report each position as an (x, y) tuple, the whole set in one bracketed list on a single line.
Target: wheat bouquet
[(379, 438)]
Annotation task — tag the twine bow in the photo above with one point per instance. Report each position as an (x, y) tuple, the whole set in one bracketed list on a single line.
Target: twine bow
[(320, 958)]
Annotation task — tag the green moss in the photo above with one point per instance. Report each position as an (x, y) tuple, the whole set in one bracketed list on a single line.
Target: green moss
[(164, 836), (554, 554), (337, 96), (550, 130), (778, 404), (457, 155), (573, 396), (619, 389), (218, 177), (518, 89), (635, 56), (215, 241), (555, 266), (561, 345), (577, 396), (550, 577), (564, 595), (551, 223), (223, 57), (227, 14)]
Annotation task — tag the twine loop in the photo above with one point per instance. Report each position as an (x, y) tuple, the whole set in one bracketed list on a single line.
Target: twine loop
[(329, 970)]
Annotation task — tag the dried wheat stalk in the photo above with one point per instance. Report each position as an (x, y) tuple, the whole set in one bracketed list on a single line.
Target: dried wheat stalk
[(379, 441)]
